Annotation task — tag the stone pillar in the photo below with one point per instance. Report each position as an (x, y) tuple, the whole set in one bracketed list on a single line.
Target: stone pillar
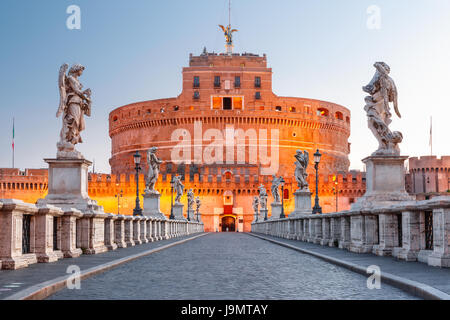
[(69, 226), (299, 235), (119, 231), (385, 182), (178, 211), (388, 228), (149, 229), (345, 238), (317, 230), (364, 233), (276, 211), (129, 231), (335, 230), (326, 232), (440, 257), (143, 228), (93, 233), (165, 229), (305, 230), (44, 218), (68, 186), (302, 203), (11, 234), (137, 230), (110, 242), (411, 242), (152, 206)]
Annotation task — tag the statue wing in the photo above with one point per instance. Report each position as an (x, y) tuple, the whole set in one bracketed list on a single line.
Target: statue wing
[(306, 158), (223, 28), (395, 99), (62, 89)]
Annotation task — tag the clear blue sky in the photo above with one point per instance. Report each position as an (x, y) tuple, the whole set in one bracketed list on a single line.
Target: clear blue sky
[(134, 51)]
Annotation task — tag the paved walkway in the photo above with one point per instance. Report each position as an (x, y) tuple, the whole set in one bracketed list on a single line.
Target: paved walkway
[(438, 278), (14, 281), (226, 266)]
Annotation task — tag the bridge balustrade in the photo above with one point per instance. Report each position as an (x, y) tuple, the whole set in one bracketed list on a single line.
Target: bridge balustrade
[(31, 234), (415, 231)]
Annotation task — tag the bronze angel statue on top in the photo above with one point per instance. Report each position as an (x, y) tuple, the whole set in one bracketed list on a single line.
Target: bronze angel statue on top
[(74, 104), (228, 32)]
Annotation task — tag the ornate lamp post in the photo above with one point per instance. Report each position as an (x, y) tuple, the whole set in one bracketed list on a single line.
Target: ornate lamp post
[(317, 209), (118, 196), (137, 161), (282, 216), (172, 182)]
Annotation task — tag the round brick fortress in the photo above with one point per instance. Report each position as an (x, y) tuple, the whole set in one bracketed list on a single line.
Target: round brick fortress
[(223, 92), (302, 123)]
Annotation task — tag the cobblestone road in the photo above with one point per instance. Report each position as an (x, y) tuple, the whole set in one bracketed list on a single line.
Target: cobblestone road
[(229, 266)]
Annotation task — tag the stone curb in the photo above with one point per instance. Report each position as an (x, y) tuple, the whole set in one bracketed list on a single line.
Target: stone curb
[(413, 287), (43, 290)]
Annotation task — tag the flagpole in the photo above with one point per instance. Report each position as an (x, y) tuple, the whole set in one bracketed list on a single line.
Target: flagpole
[(431, 134), (13, 146)]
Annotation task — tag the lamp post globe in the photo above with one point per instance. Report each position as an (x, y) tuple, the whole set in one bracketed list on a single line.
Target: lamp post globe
[(317, 209), (137, 161)]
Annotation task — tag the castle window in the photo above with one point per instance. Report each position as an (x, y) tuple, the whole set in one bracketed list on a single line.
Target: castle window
[(258, 95), (292, 109), (217, 82), (176, 108), (149, 111), (237, 82), (237, 103), (347, 119), (196, 82), (278, 108), (196, 95), (115, 118), (322, 112), (286, 194), (257, 82), (227, 105), (339, 116)]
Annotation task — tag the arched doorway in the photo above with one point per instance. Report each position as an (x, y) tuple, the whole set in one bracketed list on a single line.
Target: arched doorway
[(228, 224)]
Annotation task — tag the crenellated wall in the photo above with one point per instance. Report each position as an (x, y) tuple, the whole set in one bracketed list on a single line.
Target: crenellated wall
[(210, 185)]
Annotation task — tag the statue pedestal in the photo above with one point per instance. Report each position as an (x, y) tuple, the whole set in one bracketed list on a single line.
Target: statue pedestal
[(302, 203), (178, 211), (276, 210), (385, 182), (263, 213), (68, 186), (152, 207)]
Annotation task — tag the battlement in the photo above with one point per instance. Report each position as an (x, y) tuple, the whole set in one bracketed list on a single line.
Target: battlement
[(244, 60), (429, 162)]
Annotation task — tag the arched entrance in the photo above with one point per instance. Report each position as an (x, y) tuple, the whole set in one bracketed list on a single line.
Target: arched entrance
[(228, 224)]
